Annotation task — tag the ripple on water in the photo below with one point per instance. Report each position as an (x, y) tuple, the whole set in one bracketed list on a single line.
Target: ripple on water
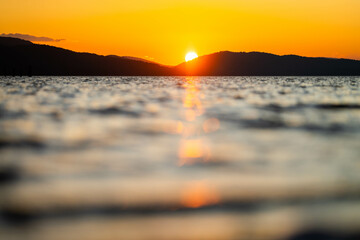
[(222, 157)]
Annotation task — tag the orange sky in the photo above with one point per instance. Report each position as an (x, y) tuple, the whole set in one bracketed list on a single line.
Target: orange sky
[(164, 30)]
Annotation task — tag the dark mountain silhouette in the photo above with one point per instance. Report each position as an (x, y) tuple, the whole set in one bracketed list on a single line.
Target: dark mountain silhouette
[(11, 42), (21, 57), (265, 64), (135, 58)]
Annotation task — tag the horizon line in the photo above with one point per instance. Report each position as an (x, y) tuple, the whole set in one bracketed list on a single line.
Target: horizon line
[(136, 58)]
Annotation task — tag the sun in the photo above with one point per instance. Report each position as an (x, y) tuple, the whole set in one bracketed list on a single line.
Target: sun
[(190, 56)]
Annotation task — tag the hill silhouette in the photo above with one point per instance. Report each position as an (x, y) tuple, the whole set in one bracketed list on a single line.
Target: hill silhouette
[(21, 57), (135, 58), (265, 64)]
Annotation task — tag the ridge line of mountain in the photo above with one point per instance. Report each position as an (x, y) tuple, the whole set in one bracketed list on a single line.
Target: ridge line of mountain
[(21, 57)]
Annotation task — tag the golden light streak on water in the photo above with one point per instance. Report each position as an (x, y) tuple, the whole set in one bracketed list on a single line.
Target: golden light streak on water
[(191, 150), (193, 146), (198, 194)]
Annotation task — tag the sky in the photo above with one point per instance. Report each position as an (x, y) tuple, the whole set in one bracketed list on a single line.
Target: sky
[(164, 31)]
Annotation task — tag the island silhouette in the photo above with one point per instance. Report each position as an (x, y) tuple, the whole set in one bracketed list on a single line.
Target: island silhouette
[(20, 57)]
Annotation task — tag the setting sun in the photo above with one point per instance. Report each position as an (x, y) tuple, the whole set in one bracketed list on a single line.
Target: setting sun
[(190, 56)]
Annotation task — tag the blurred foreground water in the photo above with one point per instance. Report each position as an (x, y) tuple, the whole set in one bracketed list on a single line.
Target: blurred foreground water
[(179, 158)]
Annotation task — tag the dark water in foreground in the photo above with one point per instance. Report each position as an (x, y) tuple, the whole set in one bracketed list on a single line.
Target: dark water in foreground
[(180, 158)]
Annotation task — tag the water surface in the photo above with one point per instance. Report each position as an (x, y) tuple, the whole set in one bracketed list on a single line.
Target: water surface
[(179, 157)]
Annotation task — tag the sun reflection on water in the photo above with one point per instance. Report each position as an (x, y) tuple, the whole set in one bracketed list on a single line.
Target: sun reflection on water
[(193, 145), (199, 194)]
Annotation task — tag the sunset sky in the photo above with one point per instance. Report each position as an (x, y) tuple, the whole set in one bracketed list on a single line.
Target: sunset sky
[(164, 31)]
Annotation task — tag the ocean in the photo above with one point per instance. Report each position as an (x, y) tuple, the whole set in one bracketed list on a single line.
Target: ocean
[(179, 158)]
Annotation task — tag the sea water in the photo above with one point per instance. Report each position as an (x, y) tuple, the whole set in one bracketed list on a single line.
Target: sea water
[(179, 157)]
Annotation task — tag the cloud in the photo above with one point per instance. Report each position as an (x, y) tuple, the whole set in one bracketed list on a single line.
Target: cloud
[(30, 37)]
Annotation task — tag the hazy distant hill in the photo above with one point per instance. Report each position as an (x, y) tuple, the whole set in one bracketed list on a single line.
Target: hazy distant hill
[(20, 57), (263, 64), (135, 58)]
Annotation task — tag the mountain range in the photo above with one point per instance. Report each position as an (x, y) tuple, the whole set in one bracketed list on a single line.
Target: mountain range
[(21, 57)]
